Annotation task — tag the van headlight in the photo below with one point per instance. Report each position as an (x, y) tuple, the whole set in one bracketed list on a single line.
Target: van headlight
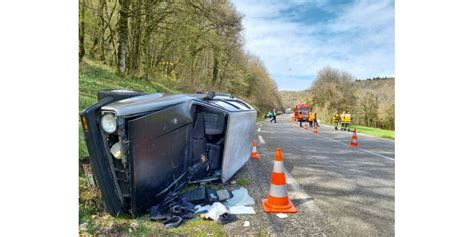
[(116, 150), (108, 123)]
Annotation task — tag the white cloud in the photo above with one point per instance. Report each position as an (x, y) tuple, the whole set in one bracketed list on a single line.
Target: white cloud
[(359, 39)]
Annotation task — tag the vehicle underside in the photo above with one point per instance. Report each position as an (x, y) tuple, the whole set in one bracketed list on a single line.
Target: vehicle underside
[(162, 143)]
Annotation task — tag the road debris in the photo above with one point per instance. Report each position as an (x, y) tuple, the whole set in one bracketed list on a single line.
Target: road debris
[(201, 209), (240, 202), (246, 223), (241, 210), (133, 226), (282, 216), (216, 210), (83, 226), (240, 197)]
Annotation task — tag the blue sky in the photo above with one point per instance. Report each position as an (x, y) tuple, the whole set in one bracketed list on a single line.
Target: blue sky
[(296, 38)]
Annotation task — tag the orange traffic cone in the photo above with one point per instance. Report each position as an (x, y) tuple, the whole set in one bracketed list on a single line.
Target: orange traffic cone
[(278, 200), (254, 154), (315, 130), (354, 139)]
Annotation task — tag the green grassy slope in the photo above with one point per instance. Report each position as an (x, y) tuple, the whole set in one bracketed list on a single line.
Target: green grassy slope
[(94, 77), (378, 132)]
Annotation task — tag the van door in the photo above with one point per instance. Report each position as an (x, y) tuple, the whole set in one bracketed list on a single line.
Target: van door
[(158, 154)]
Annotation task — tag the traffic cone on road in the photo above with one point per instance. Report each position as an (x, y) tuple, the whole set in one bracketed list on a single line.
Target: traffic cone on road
[(254, 154), (354, 139), (278, 200), (315, 130)]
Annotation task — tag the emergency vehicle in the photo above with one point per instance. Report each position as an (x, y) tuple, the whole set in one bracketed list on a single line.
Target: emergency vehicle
[(304, 108)]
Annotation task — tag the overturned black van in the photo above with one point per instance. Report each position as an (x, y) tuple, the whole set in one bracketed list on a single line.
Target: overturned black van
[(143, 146)]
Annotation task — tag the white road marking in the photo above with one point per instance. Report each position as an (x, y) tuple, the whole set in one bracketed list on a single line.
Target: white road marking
[(299, 193), (334, 140), (260, 138), (259, 129), (370, 152)]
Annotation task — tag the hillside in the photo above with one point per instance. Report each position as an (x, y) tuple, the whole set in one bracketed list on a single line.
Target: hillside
[(290, 98), (94, 77), (384, 88), (371, 102)]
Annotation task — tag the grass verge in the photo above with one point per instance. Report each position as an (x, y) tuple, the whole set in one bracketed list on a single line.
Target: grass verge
[(242, 182), (93, 220), (94, 77), (377, 132)]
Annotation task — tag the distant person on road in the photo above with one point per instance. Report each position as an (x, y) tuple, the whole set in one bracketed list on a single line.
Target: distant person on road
[(300, 118), (316, 119), (274, 117), (311, 119), (336, 117)]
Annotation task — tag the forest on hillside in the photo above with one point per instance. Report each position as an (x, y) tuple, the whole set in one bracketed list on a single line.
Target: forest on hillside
[(290, 98), (371, 102), (186, 45)]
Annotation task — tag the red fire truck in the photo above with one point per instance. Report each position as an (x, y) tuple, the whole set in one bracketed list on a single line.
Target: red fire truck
[(304, 108)]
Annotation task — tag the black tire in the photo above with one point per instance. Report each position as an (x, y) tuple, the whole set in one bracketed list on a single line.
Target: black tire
[(118, 94)]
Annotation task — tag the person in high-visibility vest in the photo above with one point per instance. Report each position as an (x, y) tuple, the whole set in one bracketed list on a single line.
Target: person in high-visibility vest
[(301, 118), (316, 120), (343, 121), (311, 118), (348, 121), (336, 117), (273, 116)]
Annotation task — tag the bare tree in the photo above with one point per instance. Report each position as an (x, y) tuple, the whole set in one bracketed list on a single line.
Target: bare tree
[(123, 35), (82, 51)]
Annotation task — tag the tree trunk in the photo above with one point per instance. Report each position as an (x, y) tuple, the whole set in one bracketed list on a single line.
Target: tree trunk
[(123, 36), (82, 51), (103, 28), (215, 68), (136, 36)]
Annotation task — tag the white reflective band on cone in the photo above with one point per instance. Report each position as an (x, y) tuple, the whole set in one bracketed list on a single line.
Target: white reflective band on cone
[(278, 190), (278, 167), (254, 149)]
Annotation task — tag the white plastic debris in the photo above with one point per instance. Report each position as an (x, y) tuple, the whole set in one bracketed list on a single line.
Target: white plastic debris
[(199, 208), (246, 223), (216, 210), (240, 197), (83, 226), (241, 210), (282, 216)]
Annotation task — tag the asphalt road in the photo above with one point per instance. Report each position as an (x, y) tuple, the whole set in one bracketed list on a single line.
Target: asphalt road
[(338, 190)]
